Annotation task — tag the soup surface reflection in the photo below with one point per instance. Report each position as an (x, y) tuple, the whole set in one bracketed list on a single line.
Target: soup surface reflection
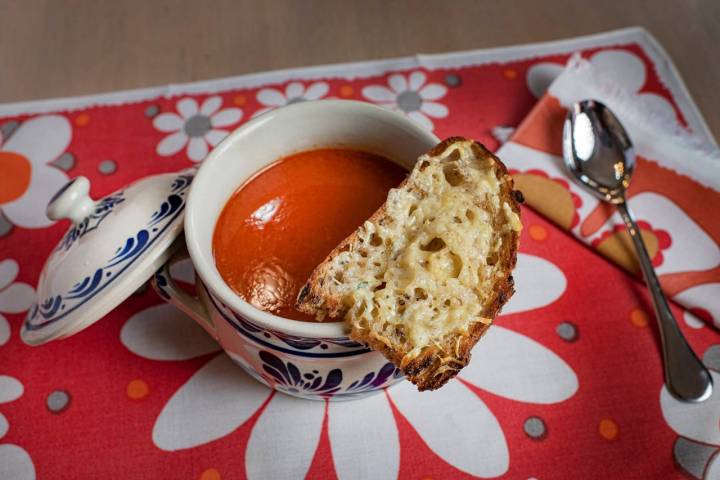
[(282, 223)]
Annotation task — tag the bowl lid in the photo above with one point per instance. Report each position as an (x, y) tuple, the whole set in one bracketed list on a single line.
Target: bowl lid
[(113, 247)]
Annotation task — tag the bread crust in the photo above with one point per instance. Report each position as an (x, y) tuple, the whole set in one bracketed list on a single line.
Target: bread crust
[(432, 368)]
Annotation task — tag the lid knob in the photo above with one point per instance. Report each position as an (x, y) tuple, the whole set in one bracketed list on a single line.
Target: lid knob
[(72, 201)]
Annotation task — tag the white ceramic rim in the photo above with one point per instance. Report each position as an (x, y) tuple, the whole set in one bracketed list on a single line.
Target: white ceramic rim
[(203, 263)]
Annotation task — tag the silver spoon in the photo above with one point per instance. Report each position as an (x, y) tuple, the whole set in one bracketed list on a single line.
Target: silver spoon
[(598, 152)]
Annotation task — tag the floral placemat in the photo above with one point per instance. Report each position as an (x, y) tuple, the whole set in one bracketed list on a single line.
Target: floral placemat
[(674, 181), (567, 384)]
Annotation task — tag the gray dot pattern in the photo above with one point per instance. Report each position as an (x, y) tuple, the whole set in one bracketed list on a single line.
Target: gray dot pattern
[(453, 80), (535, 428), (197, 126), (692, 457), (409, 101), (5, 225), (152, 111), (58, 401), (568, 331), (65, 162), (711, 358), (107, 167), (8, 128)]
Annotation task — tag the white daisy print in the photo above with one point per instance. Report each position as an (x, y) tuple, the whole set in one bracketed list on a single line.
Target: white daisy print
[(412, 96), (463, 431), (197, 127), (15, 297), (623, 68), (27, 180), (697, 449), (15, 462), (693, 250), (294, 92), (502, 134)]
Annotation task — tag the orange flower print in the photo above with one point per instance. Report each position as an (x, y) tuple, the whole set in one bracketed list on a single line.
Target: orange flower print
[(550, 196), (616, 244)]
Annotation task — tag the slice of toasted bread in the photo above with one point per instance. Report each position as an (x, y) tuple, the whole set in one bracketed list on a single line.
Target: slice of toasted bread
[(423, 278)]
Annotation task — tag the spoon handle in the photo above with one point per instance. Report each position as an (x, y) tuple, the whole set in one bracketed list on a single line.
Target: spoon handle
[(685, 376)]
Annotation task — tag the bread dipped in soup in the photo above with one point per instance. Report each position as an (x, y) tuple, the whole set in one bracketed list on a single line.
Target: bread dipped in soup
[(423, 278)]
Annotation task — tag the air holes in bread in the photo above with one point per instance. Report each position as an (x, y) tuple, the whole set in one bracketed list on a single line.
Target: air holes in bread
[(434, 245), (453, 175), (457, 265)]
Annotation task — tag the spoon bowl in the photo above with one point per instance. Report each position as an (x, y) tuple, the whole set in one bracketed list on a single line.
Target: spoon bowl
[(598, 151)]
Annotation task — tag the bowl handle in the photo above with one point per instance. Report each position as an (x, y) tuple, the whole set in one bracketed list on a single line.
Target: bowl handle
[(165, 286)]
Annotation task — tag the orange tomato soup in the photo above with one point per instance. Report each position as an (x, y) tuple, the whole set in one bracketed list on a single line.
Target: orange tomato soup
[(282, 223)]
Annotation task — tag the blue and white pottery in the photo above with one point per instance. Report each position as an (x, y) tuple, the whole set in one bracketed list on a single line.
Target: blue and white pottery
[(309, 360), (113, 246)]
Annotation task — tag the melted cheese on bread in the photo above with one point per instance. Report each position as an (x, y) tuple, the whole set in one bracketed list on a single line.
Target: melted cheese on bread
[(422, 272)]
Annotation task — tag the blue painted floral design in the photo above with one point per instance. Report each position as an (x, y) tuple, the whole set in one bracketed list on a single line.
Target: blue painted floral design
[(308, 343), (182, 182), (247, 325), (103, 208), (57, 306), (300, 343), (133, 247), (162, 283), (49, 307), (374, 380), (334, 347), (288, 377)]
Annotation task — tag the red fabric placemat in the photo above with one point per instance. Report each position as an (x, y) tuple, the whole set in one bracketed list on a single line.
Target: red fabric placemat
[(568, 384)]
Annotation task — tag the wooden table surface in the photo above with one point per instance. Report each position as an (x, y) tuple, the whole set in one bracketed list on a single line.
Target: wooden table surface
[(53, 48)]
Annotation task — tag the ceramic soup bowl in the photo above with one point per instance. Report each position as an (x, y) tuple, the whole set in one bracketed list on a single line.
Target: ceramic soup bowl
[(309, 360)]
